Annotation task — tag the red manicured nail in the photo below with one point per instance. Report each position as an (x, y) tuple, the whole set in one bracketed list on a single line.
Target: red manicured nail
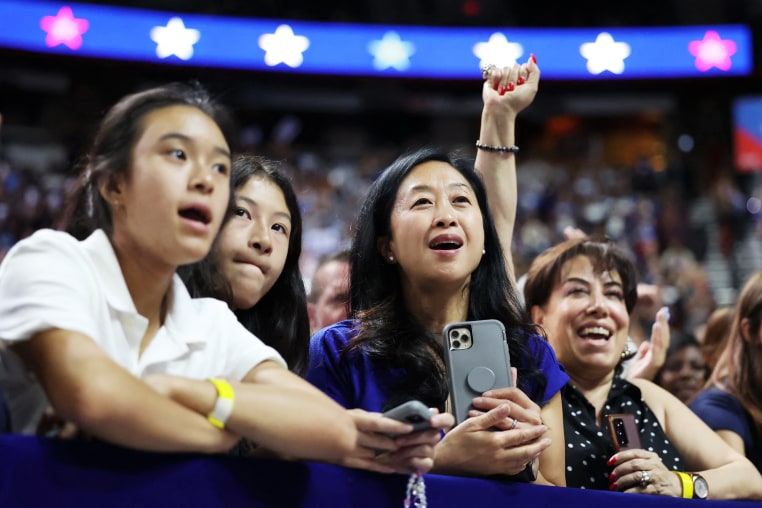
[(534, 58), (611, 461), (501, 90), (510, 86), (520, 81), (612, 477), (612, 486)]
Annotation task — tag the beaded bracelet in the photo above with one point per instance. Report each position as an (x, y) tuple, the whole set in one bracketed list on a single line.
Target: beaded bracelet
[(415, 495), (490, 148)]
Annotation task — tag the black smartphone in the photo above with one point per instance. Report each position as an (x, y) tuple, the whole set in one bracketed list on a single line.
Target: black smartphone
[(477, 360), (413, 412), (624, 432)]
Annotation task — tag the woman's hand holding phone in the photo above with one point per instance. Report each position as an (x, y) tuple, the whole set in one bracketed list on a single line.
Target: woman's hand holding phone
[(515, 432), (475, 448), (631, 468), (522, 409), (636, 469), (387, 445)]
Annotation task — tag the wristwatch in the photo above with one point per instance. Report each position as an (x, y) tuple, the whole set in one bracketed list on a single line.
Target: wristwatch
[(700, 487)]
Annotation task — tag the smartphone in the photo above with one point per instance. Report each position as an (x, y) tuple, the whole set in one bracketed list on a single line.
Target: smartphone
[(624, 432), (413, 412), (477, 360)]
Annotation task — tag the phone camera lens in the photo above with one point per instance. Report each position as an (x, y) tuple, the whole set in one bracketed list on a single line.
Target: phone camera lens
[(621, 435), (456, 344), (455, 334)]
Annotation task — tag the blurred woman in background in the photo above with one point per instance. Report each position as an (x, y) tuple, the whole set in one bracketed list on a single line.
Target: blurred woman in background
[(731, 404), (684, 372)]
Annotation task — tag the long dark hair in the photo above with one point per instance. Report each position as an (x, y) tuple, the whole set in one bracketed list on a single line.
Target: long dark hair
[(388, 332), (110, 152), (280, 317), (739, 368)]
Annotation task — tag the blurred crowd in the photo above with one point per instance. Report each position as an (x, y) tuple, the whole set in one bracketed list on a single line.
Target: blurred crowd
[(696, 250)]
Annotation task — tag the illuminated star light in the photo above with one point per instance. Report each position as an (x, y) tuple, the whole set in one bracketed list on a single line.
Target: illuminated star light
[(391, 51), (64, 28), (498, 51), (604, 54), (175, 39), (284, 47), (712, 52)]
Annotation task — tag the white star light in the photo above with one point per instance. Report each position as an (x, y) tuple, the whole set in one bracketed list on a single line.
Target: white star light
[(391, 51), (284, 47), (604, 54), (498, 51), (175, 39)]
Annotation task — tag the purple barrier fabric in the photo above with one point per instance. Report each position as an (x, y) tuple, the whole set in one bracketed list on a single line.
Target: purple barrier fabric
[(41, 472)]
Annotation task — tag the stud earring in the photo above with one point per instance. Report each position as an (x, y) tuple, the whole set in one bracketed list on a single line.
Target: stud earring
[(391, 259), (484, 251)]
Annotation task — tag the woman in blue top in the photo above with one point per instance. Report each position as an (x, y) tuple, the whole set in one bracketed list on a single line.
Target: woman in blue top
[(731, 403), (254, 268), (426, 253)]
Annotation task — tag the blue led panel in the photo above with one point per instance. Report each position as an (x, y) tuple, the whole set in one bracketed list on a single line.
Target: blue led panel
[(171, 38)]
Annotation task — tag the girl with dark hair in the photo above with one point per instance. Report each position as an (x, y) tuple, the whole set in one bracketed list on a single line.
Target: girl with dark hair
[(426, 253), (731, 402), (254, 264), (114, 342), (582, 293)]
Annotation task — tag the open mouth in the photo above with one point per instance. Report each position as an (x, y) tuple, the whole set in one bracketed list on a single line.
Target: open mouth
[(196, 214), (445, 244), (595, 333)]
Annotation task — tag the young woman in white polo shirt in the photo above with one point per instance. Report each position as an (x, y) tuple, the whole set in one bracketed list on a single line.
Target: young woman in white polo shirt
[(102, 329)]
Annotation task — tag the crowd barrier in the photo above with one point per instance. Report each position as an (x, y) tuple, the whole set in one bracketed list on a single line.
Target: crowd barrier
[(61, 474)]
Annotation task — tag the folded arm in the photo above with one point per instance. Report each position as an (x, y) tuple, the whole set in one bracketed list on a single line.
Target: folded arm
[(276, 409), (99, 396)]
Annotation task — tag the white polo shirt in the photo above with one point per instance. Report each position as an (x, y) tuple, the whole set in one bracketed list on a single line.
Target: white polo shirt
[(51, 280)]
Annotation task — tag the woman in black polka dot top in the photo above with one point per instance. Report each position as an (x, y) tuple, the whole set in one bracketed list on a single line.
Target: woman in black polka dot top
[(581, 292)]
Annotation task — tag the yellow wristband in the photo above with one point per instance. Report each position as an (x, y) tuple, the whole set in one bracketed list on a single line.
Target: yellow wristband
[(223, 406), (687, 482)]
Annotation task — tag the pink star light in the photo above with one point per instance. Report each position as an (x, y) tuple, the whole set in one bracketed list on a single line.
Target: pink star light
[(712, 52), (64, 28)]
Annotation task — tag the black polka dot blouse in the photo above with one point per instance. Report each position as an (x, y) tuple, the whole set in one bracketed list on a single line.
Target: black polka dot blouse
[(589, 447)]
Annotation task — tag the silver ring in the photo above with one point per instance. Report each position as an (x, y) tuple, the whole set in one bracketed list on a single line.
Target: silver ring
[(487, 69), (645, 479), (514, 424)]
